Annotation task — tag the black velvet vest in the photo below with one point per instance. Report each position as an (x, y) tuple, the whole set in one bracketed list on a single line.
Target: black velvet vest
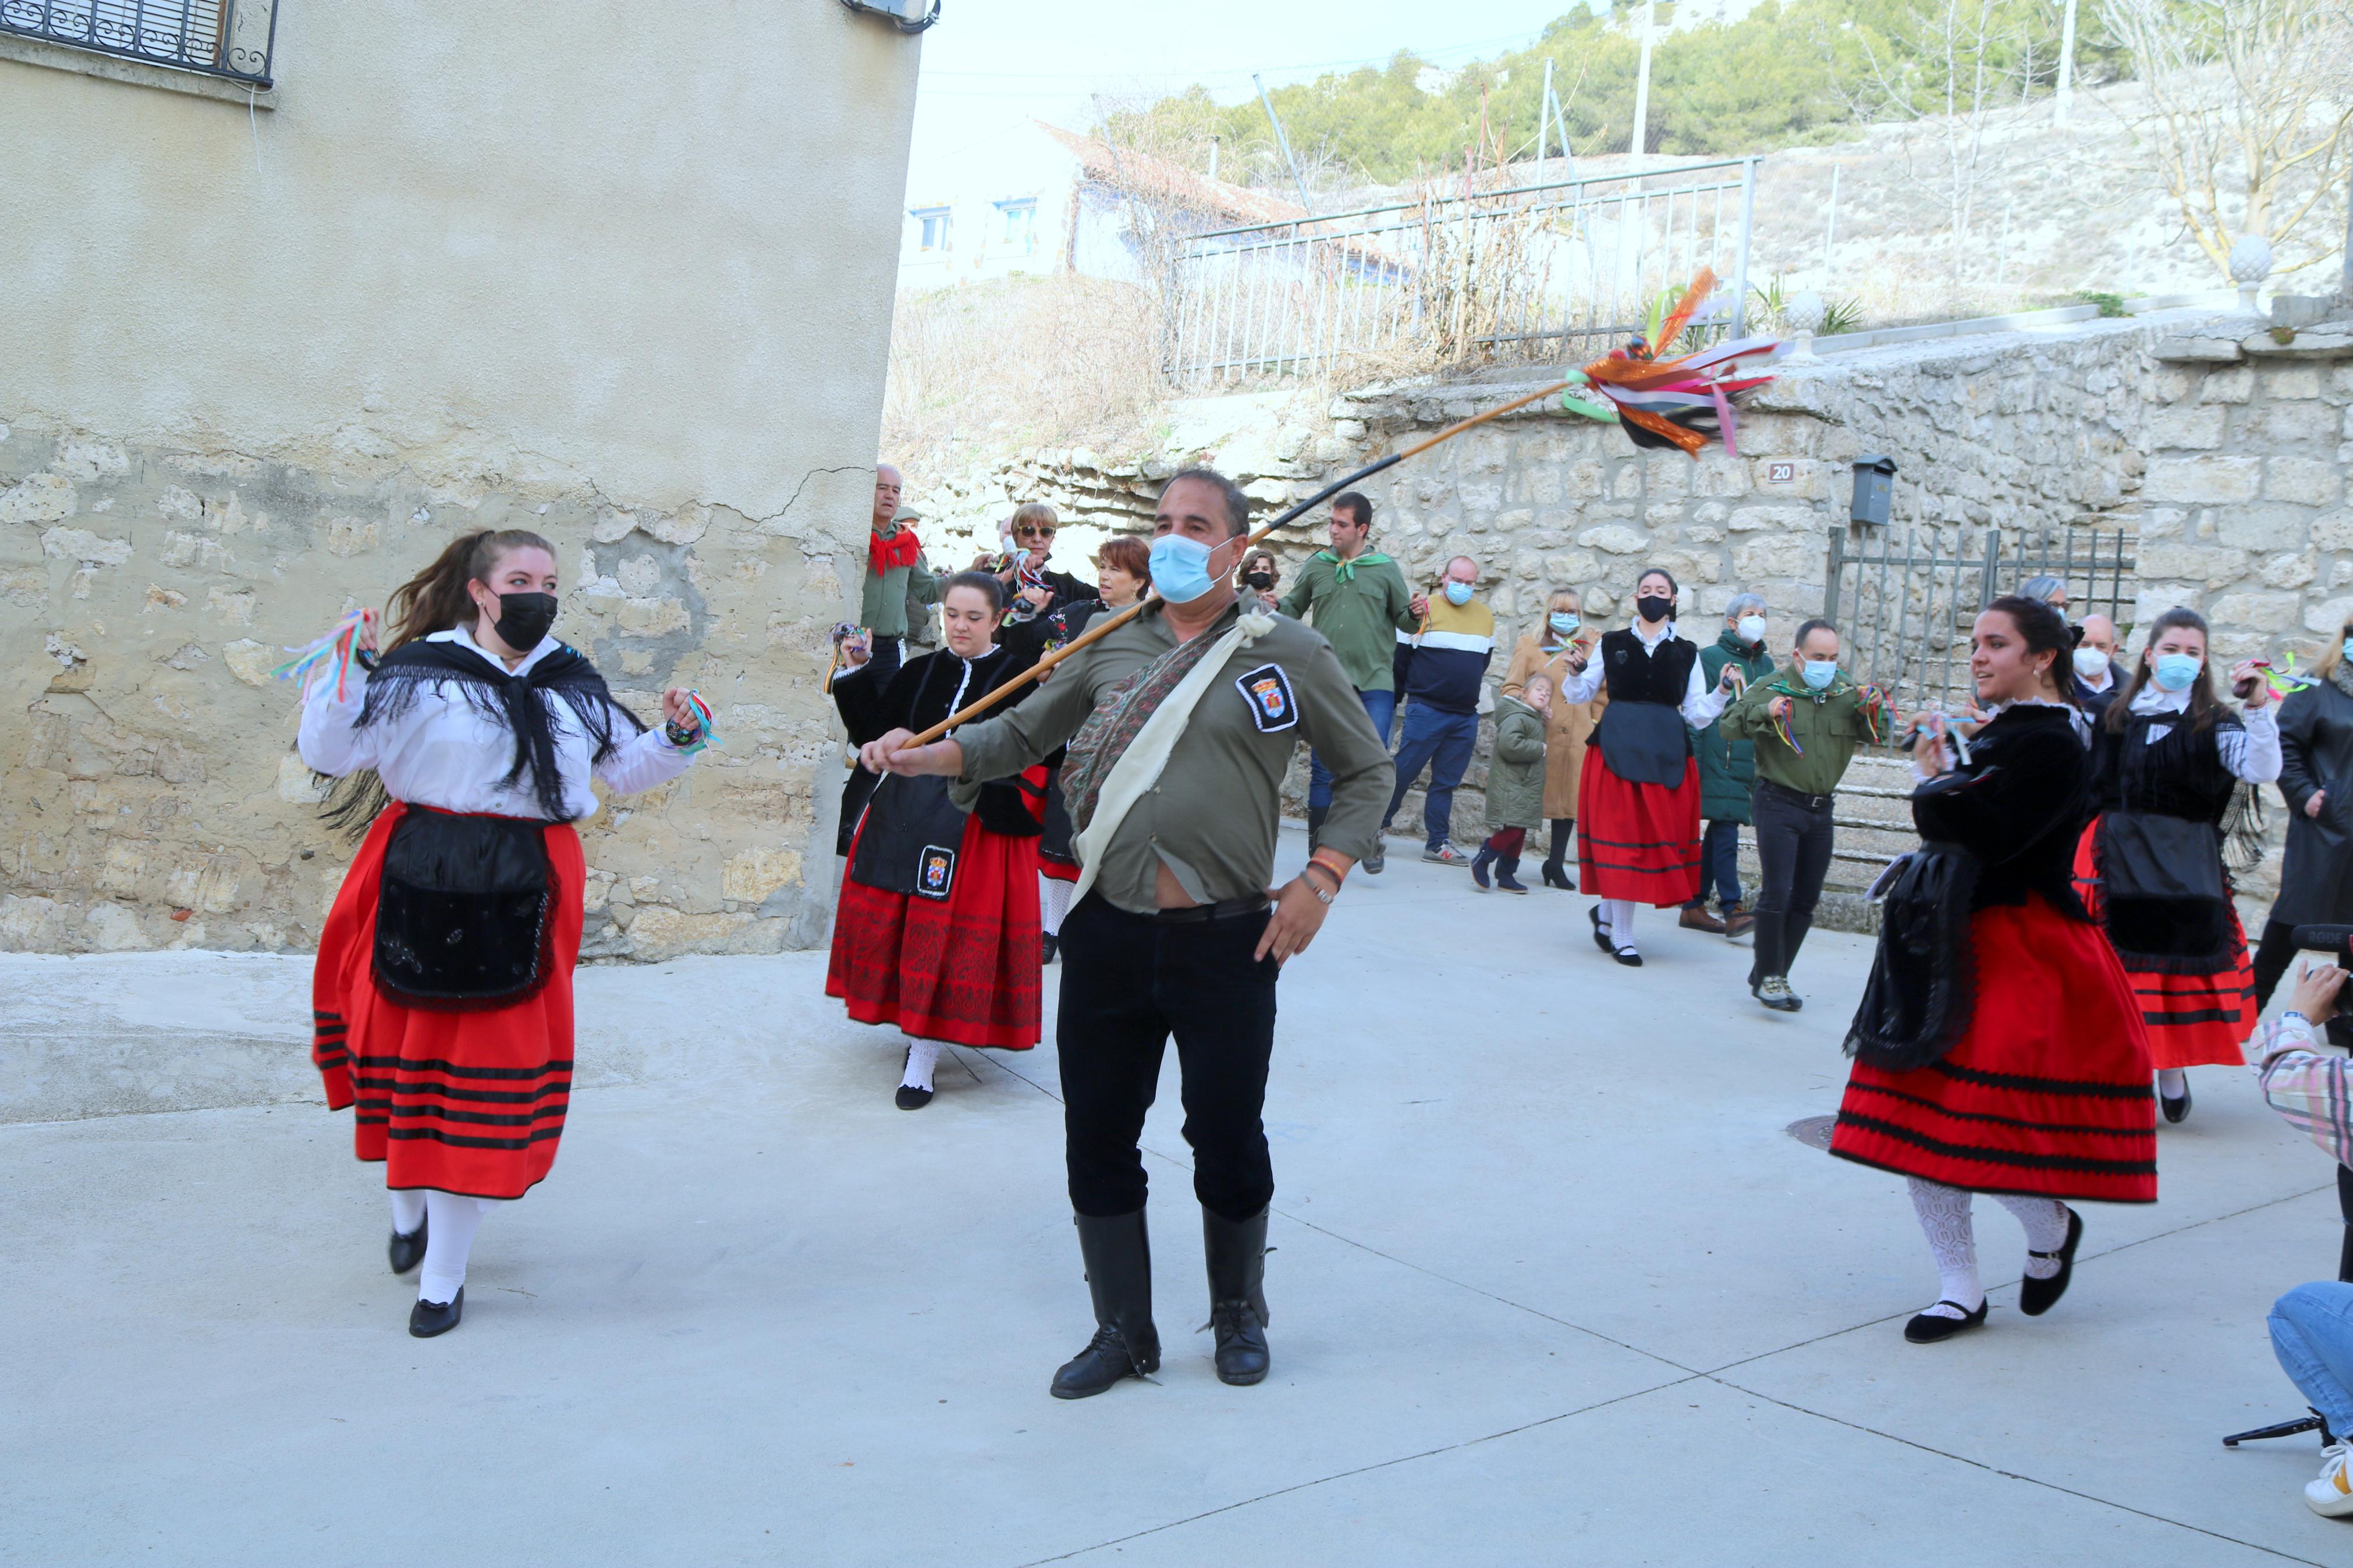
[(2181, 776), (1633, 674)]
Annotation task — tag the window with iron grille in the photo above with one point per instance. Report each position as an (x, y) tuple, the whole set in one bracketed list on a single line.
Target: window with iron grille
[(228, 38)]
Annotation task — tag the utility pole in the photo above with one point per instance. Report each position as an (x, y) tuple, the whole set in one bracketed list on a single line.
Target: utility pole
[(1642, 88), (1544, 117), (2066, 64), (1283, 143)]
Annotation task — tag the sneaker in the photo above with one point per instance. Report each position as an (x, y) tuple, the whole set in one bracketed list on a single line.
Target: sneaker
[(1774, 992), (1445, 854), (1697, 918), (1373, 862), (2330, 1494)]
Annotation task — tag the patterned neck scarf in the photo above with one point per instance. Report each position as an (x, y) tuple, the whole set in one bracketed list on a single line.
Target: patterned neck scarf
[(1344, 571)]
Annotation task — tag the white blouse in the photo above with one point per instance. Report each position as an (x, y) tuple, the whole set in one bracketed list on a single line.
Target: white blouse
[(442, 753), (2252, 755), (1702, 703)]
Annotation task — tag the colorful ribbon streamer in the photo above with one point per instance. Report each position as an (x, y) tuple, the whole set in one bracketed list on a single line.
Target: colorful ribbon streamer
[(335, 651)]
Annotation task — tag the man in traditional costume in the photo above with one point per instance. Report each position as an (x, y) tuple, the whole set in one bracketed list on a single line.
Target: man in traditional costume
[(1180, 724)]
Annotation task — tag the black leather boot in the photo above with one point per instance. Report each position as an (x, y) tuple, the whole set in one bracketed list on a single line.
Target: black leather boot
[(1118, 1255), (407, 1251), (1237, 1255), (1316, 815), (1556, 867), (1793, 936)]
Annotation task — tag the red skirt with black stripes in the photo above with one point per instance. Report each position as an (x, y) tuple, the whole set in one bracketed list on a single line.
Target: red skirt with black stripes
[(469, 1103), (1637, 841), (2047, 1093), (2194, 1020)]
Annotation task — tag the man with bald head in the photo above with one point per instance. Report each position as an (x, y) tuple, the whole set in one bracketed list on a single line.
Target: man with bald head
[(895, 573), (2097, 677), (1443, 682)]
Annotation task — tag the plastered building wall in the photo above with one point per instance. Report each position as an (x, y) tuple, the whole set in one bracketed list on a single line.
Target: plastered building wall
[(625, 280)]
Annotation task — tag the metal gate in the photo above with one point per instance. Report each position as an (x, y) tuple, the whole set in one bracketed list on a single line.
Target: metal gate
[(1904, 598)]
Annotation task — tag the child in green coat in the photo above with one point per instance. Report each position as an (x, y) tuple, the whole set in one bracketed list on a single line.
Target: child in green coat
[(1516, 779)]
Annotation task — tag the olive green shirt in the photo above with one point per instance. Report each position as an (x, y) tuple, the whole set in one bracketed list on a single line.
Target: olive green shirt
[(1828, 724), (1359, 617), (883, 611), (1212, 818)]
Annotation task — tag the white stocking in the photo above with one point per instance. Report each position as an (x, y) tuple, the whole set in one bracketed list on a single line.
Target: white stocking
[(1618, 918), (407, 1211), (2172, 1083), (449, 1240), (1945, 1219), (922, 1057), (1053, 904), (2045, 1220)]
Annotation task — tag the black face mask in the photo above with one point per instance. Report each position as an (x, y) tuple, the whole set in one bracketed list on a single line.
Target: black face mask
[(1261, 580), (1649, 606), (523, 619)]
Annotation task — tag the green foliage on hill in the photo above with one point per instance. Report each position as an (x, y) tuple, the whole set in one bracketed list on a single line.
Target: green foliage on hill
[(1804, 71)]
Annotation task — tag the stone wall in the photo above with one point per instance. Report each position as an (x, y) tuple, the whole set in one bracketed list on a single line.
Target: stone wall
[(263, 363)]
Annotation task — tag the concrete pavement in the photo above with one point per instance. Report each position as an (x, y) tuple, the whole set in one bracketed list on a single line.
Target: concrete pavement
[(1552, 1284)]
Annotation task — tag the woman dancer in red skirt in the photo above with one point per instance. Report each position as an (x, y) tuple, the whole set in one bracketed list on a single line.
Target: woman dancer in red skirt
[(1638, 802), (2167, 760), (937, 928), (442, 998), (1999, 1048)]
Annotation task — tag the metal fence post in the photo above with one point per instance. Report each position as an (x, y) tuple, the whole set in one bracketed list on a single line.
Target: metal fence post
[(1740, 267), (1992, 566), (1838, 568)]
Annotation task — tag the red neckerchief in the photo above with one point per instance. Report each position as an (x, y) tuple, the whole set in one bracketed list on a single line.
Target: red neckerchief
[(899, 550)]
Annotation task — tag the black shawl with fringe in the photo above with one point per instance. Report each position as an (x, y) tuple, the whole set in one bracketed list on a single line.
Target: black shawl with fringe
[(524, 705)]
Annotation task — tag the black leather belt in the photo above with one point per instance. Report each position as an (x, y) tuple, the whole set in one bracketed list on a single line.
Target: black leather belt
[(1233, 908), (1810, 802)]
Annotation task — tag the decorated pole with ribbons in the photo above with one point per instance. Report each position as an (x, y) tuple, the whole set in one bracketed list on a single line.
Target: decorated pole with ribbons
[(1106, 625)]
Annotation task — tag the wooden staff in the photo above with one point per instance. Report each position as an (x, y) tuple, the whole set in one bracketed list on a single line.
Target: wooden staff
[(1104, 627)]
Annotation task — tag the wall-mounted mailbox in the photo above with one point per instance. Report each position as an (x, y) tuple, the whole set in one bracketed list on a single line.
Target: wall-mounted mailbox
[(1874, 489)]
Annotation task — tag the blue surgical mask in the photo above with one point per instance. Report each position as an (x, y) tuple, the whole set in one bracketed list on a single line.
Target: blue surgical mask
[(1181, 568), (1820, 672), (1458, 593), (1563, 622), (2349, 647), (2174, 671)]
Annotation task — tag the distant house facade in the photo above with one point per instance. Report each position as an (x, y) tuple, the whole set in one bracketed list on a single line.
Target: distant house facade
[(1042, 200)]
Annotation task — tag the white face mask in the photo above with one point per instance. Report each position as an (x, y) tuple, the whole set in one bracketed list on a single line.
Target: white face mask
[(2091, 663), (1751, 628)]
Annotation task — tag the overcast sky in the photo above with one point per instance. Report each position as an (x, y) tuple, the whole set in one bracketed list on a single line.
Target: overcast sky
[(991, 63)]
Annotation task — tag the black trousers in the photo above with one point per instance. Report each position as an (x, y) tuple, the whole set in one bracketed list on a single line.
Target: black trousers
[(1793, 848), (1129, 982)]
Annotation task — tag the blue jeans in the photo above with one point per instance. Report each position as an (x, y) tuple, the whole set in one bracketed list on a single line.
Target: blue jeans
[(1719, 865), (2312, 1334), (1380, 707), (1440, 741)]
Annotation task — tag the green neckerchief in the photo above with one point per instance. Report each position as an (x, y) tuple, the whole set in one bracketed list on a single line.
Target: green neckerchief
[(1792, 682), (1342, 571)]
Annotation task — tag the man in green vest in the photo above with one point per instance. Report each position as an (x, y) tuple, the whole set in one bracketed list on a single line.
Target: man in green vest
[(895, 576), (1357, 598)]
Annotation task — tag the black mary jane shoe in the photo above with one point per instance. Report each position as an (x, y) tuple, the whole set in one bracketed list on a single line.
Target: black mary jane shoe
[(1600, 938), (427, 1318), (1928, 1327), (2036, 1297), (910, 1098), (406, 1251), (1048, 946), (2175, 1110), (1627, 956)]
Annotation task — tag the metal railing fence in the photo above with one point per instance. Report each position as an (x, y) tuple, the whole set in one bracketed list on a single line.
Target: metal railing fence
[(1521, 273), (230, 38), (1903, 599)]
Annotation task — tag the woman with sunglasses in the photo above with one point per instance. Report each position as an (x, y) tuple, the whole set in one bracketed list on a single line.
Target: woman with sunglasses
[(1033, 589), (2167, 760), (2315, 885)]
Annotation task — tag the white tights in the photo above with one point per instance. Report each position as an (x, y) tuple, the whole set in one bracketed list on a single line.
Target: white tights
[(1617, 920), (2172, 1082), (1945, 1219), (1053, 904), (922, 1056), (453, 1220)]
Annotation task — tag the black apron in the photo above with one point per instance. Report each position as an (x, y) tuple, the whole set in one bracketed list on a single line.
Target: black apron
[(1918, 1001), (1644, 742), (909, 839), (465, 913)]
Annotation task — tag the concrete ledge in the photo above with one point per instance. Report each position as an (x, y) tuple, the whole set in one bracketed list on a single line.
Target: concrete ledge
[(32, 51)]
